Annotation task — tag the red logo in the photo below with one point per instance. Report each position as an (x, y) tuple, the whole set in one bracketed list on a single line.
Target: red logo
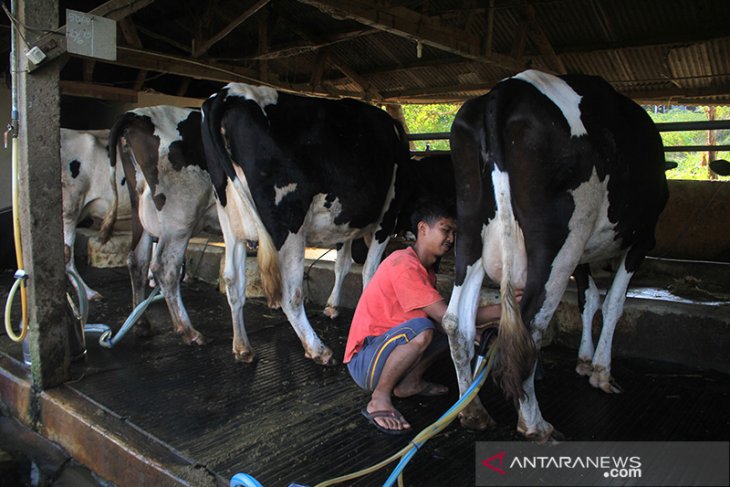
[(488, 463)]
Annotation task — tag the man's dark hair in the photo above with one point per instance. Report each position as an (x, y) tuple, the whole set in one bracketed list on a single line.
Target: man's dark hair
[(431, 211)]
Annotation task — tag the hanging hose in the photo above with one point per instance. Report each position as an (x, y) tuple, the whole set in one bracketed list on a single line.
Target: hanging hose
[(20, 275), (12, 130), (481, 371)]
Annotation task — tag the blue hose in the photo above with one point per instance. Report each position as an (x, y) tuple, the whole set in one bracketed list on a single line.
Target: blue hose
[(407, 457), (106, 339), (244, 480)]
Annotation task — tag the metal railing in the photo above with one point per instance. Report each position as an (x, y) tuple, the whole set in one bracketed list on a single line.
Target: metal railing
[(663, 127)]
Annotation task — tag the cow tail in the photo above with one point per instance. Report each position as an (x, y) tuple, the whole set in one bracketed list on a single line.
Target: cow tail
[(220, 166), (515, 347), (107, 224)]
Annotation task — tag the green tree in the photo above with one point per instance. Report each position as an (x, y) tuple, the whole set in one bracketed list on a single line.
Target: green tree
[(690, 163), (430, 118)]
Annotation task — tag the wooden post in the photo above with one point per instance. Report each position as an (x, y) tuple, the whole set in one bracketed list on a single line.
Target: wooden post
[(39, 109), (711, 140)]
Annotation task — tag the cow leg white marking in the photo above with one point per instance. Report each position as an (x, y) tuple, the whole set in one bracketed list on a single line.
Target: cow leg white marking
[(585, 352), (138, 263), (166, 269), (375, 253), (234, 276), (69, 240), (459, 324), (612, 309), (291, 261), (342, 268), (530, 421)]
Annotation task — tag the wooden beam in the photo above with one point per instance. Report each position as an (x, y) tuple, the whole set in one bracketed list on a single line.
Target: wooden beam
[(129, 31), (183, 88), (679, 41), (664, 95), (538, 36), (263, 46), (407, 23), (181, 66), (88, 68), (437, 90), (319, 64), (297, 48), (363, 83), (203, 48), (97, 91), (520, 41), (166, 40), (489, 35), (53, 44)]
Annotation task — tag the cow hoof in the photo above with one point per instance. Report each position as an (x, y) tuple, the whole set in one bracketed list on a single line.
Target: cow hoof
[(478, 422), (584, 367), (325, 358), (195, 337), (244, 356), (601, 379), (553, 436), (331, 312), (544, 434)]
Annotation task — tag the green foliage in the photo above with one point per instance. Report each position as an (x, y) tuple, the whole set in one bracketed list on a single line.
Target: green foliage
[(438, 118), (690, 163), (430, 118)]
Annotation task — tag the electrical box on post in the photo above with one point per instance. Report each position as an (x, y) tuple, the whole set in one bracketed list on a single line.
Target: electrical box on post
[(91, 35)]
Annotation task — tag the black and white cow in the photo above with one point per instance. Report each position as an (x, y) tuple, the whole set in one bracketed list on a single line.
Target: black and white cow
[(89, 190), (551, 173), (430, 178), (290, 170), (171, 198)]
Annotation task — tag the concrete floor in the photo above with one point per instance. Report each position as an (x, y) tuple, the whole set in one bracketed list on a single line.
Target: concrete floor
[(195, 417)]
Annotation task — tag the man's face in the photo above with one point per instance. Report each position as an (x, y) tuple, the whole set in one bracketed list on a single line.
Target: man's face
[(439, 237)]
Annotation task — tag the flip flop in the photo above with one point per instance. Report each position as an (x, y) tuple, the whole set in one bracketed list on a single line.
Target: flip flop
[(371, 417)]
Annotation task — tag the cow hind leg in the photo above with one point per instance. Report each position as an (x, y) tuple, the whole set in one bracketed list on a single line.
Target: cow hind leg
[(234, 276), (612, 309), (166, 269), (461, 332), (588, 303), (550, 269), (530, 422), (291, 257), (375, 253), (138, 262), (342, 268), (69, 237)]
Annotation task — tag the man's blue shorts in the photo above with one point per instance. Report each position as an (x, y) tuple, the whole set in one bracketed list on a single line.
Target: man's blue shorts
[(367, 364)]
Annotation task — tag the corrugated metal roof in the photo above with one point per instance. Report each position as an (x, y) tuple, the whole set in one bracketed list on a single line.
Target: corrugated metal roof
[(411, 50)]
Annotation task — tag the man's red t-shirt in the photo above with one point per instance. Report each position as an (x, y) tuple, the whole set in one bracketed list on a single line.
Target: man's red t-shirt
[(399, 289)]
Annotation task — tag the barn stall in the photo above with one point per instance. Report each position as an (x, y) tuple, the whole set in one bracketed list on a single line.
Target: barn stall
[(154, 410)]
